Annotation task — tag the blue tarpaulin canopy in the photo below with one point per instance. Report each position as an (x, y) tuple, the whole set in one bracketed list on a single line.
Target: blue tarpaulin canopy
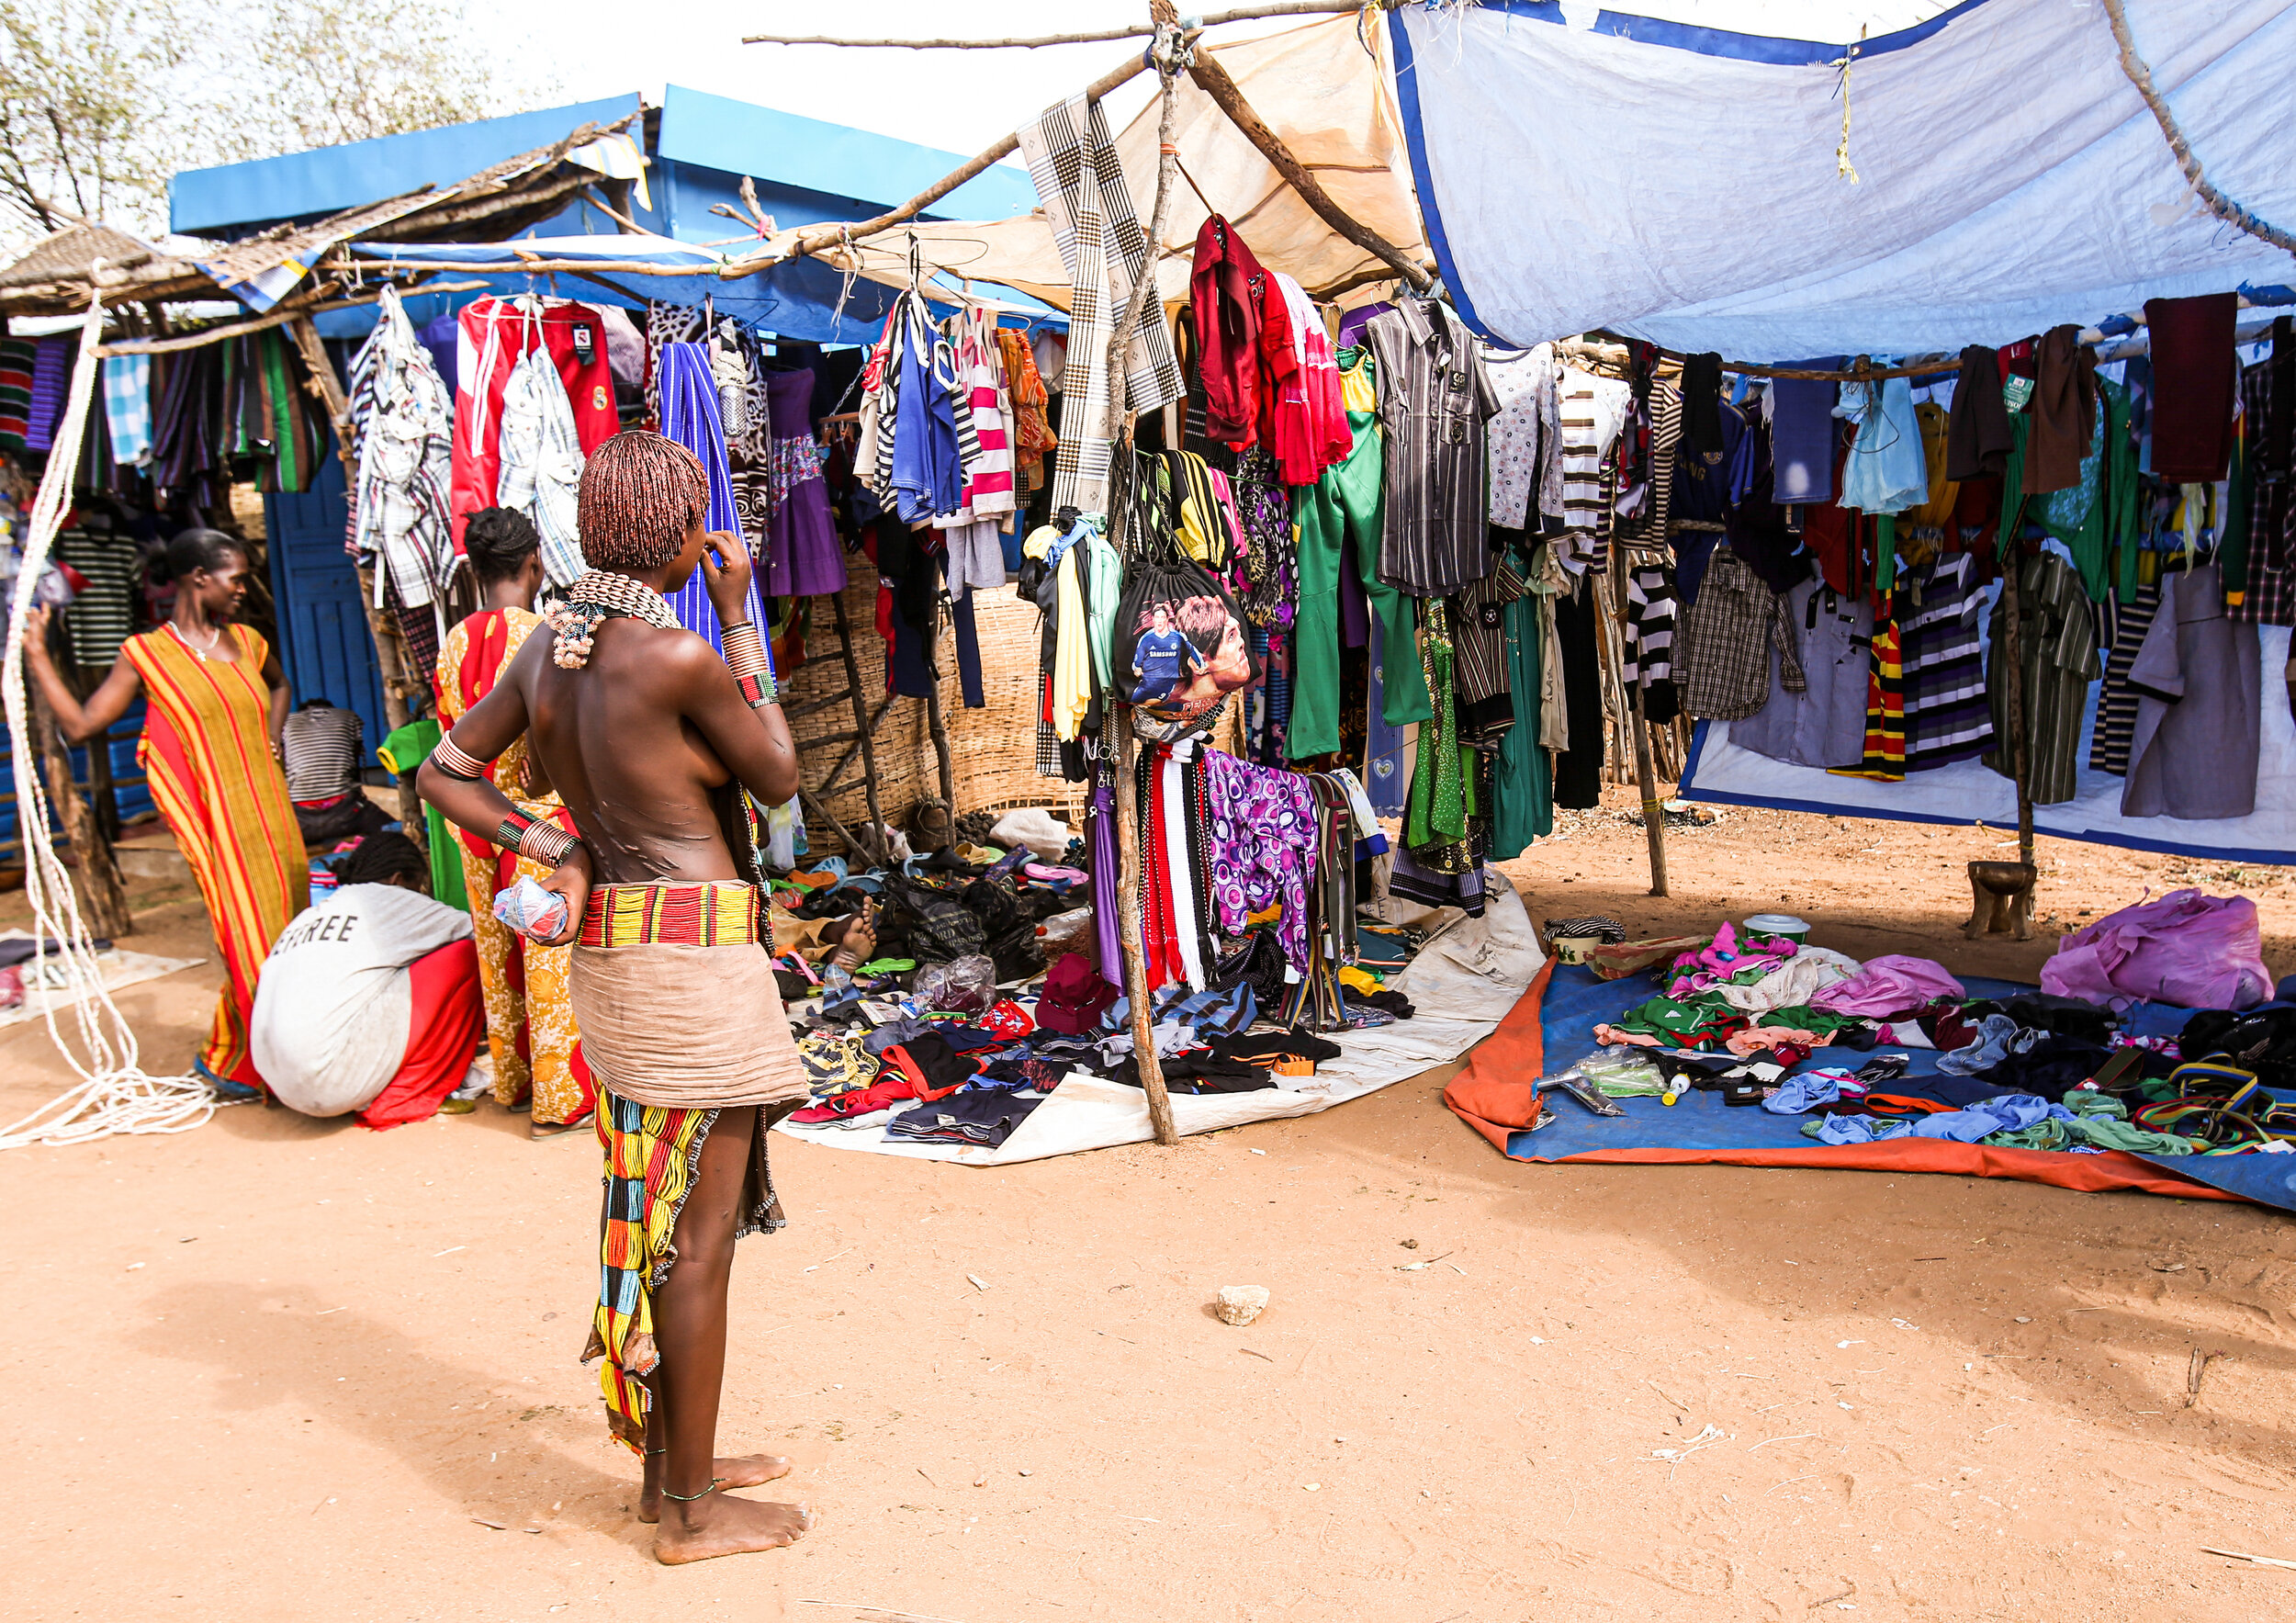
[(804, 299)]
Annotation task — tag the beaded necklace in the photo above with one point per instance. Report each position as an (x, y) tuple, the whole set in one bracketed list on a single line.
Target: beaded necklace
[(594, 599)]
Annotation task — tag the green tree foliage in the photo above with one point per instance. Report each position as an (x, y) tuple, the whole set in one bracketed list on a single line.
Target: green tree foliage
[(102, 100)]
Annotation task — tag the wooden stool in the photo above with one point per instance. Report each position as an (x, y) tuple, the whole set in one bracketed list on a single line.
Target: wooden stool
[(2005, 900)]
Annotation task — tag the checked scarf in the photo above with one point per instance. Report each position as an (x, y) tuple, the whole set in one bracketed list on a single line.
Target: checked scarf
[(1074, 165)]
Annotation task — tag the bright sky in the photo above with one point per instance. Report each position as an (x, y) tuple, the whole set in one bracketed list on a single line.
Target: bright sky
[(958, 100)]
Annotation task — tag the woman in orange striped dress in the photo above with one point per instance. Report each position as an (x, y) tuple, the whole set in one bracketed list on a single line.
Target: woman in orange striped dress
[(216, 700)]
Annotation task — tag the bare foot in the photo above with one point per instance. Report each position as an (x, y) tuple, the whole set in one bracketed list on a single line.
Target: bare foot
[(719, 1526), (742, 1470)]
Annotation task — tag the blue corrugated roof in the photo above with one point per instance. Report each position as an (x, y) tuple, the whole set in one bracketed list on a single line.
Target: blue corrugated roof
[(302, 186), (719, 132)]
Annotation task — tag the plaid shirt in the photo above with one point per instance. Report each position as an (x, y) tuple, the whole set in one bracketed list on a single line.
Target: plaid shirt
[(403, 418), (128, 407), (1722, 651), (541, 461)]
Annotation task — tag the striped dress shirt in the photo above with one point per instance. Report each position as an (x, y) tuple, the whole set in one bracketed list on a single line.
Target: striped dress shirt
[(1434, 398)]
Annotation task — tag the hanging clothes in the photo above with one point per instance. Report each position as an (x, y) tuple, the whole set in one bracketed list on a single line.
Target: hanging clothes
[(542, 462), (1523, 799), (1080, 182), (1227, 290), (1886, 471), (1434, 400), (1579, 768), (1802, 434), (1032, 430), (2063, 411), (689, 415), (1884, 753), (1590, 412), (1436, 814), (1347, 503), (2198, 720), (402, 432), (493, 336), (2116, 699), (2265, 575), (1943, 662), (2056, 655), (803, 556), (1722, 664), (1816, 713), (2097, 510), (2196, 384), (1978, 441), (1260, 845), (1523, 432)]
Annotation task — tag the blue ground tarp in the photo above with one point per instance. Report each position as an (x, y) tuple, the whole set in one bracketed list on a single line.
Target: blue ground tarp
[(1701, 1128)]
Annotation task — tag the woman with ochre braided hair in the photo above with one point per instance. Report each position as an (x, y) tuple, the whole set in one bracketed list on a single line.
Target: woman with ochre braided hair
[(652, 741)]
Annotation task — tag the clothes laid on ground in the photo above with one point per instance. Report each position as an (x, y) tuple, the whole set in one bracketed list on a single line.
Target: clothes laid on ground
[(369, 1003)]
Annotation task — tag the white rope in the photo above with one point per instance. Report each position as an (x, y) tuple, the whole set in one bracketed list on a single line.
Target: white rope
[(114, 1094)]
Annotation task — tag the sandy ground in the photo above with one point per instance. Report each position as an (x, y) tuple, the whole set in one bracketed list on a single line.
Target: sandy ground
[(279, 1369)]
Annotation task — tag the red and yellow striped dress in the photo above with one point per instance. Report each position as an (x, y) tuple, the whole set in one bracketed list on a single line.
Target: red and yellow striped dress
[(207, 750)]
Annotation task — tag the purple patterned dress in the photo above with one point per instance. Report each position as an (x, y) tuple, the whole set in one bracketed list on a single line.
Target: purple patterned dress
[(1259, 846), (803, 556)]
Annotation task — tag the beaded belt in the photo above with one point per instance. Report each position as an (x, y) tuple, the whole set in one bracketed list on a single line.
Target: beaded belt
[(710, 913)]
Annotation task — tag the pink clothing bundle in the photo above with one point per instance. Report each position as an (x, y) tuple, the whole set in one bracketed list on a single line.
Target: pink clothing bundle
[(2198, 950), (1892, 983), (1723, 960)]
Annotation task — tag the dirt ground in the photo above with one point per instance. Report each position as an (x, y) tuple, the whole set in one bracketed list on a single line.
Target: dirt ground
[(281, 1368)]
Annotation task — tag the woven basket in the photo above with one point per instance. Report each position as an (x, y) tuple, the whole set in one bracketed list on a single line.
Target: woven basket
[(991, 750)]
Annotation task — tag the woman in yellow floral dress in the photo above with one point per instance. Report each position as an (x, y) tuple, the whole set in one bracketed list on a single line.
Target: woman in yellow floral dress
[(531, 1033)]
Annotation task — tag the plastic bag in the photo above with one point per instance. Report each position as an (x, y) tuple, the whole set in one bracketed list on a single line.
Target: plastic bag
[(1622, 1075), (1071, 931), (2201, 952), (961, 985), (1035, 828), (533, 912)]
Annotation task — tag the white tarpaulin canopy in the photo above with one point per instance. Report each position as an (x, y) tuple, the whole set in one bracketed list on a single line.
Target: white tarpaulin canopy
[(1682, 185), (1323, 88)]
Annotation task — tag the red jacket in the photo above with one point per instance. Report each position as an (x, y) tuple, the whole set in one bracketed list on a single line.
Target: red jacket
[(1227, 294)]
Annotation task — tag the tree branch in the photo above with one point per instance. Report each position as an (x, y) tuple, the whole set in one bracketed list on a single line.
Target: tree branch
[(1214, 80), (1243, 14)]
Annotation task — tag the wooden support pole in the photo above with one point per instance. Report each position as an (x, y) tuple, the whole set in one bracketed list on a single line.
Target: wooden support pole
[(390, 659), (1653, 813), (1214, 80), (100, 882), (2020, 750), (1120, 716)]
